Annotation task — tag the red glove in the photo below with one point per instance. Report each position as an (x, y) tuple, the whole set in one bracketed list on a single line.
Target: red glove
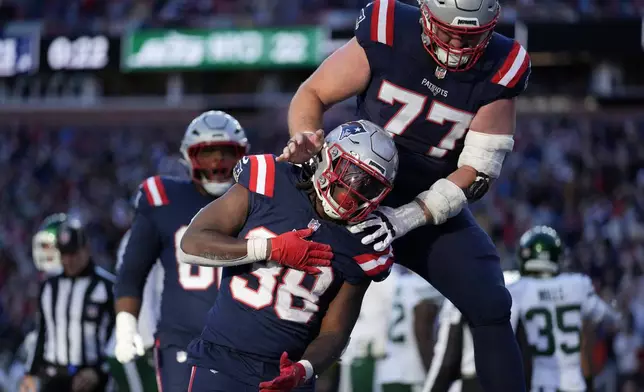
[(292, 250), (292, 375)]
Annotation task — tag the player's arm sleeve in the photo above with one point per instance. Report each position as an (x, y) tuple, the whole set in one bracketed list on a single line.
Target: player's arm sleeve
[(594, 308), (448, 351), (374, 32), (376, 265), (511, 77), (139, 252), (34, 362), (257, 174)]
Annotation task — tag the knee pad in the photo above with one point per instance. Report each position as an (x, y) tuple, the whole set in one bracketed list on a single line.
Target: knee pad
[(490, 307)]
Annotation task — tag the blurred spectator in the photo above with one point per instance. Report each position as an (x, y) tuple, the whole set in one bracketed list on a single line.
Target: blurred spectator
[(117, 15), (626, 345)]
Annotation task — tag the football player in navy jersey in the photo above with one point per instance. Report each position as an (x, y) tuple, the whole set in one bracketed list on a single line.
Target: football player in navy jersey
[(444, 84), (267, 316), (211, 146)]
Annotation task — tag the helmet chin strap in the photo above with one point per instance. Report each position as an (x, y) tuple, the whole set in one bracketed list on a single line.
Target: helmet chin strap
[(216, 188)]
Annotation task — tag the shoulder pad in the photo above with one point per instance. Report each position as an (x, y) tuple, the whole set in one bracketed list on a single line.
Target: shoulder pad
[(375, 23), (152, 193), (514, 68), (256, 173), (376, 265)]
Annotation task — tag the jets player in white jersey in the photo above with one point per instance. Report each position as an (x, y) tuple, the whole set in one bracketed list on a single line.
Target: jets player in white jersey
[(549, 307), (139, 374), (409, 335), (368, 338), (452, 368)]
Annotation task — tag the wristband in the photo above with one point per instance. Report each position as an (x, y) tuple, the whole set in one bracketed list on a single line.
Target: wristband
[(308, 369), (257, 249)]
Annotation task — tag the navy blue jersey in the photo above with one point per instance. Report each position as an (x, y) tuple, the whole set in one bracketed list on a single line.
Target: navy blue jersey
[(428, 108), (264, 309), (164, 209)]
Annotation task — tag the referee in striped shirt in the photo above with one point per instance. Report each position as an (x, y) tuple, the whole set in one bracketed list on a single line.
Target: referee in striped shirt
[(76, 318)]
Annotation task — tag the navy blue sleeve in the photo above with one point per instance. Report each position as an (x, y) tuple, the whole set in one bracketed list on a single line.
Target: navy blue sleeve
[(376, 265), (511, 76), (374, 32), (257, 174), (362, 263), (139, 250)]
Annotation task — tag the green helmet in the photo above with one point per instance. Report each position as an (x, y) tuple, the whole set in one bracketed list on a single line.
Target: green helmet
[(43, 245), (540, 251)]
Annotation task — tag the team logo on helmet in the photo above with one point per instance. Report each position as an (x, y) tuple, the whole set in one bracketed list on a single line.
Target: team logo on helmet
[(238, 170), (351, 129)]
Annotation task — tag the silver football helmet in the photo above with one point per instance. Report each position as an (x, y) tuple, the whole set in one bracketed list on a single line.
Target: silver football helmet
[(355, 170), (471, 20), (213, 143), (43, 245)]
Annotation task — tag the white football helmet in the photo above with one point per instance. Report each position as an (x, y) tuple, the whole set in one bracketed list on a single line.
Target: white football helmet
[(213, 143), (43, 245), (355, 170), (471, 20)]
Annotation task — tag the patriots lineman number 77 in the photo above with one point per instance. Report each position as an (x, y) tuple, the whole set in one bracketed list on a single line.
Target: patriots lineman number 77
[(443, 84)]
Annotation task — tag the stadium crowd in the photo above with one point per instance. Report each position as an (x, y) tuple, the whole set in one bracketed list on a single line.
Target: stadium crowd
[(117, 15)]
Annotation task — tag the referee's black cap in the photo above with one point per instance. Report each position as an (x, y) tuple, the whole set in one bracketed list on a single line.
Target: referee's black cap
[(70, 236)]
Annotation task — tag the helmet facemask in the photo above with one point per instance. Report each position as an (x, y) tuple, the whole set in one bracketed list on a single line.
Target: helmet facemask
[(436, 35), (348, 188), (211, 164)]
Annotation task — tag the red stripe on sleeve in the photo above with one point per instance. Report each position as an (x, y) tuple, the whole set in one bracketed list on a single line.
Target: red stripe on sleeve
[(374, 20), (390, 22), (507, 64), (254, 172), (520, 72), (161, 189)]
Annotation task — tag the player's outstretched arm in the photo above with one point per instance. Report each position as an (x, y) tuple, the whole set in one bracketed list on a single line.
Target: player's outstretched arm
[(138, 252), (210, 239), (487, 142), (342, 75), (327, 348)]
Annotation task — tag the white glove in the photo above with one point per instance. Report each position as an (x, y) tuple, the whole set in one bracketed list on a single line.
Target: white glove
[(128, 341), (390, 224)]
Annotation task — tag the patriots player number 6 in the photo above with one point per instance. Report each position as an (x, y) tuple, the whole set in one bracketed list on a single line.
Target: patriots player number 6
[(412, 106), (205, 276), (289, 286)]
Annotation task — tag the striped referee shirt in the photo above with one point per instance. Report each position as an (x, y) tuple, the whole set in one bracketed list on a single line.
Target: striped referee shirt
[(75, 320)]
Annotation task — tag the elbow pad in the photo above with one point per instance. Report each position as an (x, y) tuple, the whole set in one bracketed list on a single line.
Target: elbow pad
[(443, 200), (485, 152)]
